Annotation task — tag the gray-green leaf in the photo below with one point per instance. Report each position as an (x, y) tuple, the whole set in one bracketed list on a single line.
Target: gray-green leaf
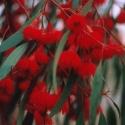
[(11, 60), (95, 95)]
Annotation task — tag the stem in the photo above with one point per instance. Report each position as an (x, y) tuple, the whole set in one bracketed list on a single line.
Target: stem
[(107, 30), (5, 33), (7, 16), (33, 4), (23, 9)]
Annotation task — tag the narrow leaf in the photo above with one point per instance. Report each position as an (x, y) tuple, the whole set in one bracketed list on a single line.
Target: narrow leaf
[(111, 116), (117, 70), (95, 95), (102, 120), (123, 99), (80, 100), (75, 4), (57, 54), (117, 108), (49, 76), (65, 94), (12, 59), (87, 7), (80, 120), (18, 37)]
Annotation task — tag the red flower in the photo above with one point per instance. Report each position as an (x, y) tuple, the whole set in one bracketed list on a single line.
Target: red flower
[(98, 28), (24, 85), (54, 36), (109, 22), (71, 40), (87, 68), (41, 86), (42, 101), (42, 36), (41, 58), (90, 40), (31, 32), (27, 68), (108, 51), (69, 59), (6, 89), (116, 48), (121, 17), (76, 23)]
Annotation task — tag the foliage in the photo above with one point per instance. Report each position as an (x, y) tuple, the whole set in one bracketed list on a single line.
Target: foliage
[(47, 71)]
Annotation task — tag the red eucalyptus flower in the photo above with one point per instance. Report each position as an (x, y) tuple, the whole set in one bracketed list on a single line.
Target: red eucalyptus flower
[(6, 89), (90, 40), (31, 32), (87, 68), (24, 85), (27, 68), (42, 36), (76, 23), (121, 17), (41, 58), (85, 40), (42, 101), (69, 59), (109, 22), (107, 51)]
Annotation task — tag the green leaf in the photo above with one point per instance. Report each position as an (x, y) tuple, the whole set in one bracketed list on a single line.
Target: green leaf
[(65, 94), (102, 120), (80, 101), (80, 120), (57, 54), (75, 4), (18, 37), (117, 108), (123, 99), (12, 59), (111, 116), (95, 95), (67, 119), (49, 76), (117, 70), (86, 8)]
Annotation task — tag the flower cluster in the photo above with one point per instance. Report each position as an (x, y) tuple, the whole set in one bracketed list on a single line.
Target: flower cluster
[(90, 40)]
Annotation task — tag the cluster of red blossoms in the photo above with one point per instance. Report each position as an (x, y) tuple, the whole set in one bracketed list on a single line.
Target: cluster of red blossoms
[(89, 42)]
